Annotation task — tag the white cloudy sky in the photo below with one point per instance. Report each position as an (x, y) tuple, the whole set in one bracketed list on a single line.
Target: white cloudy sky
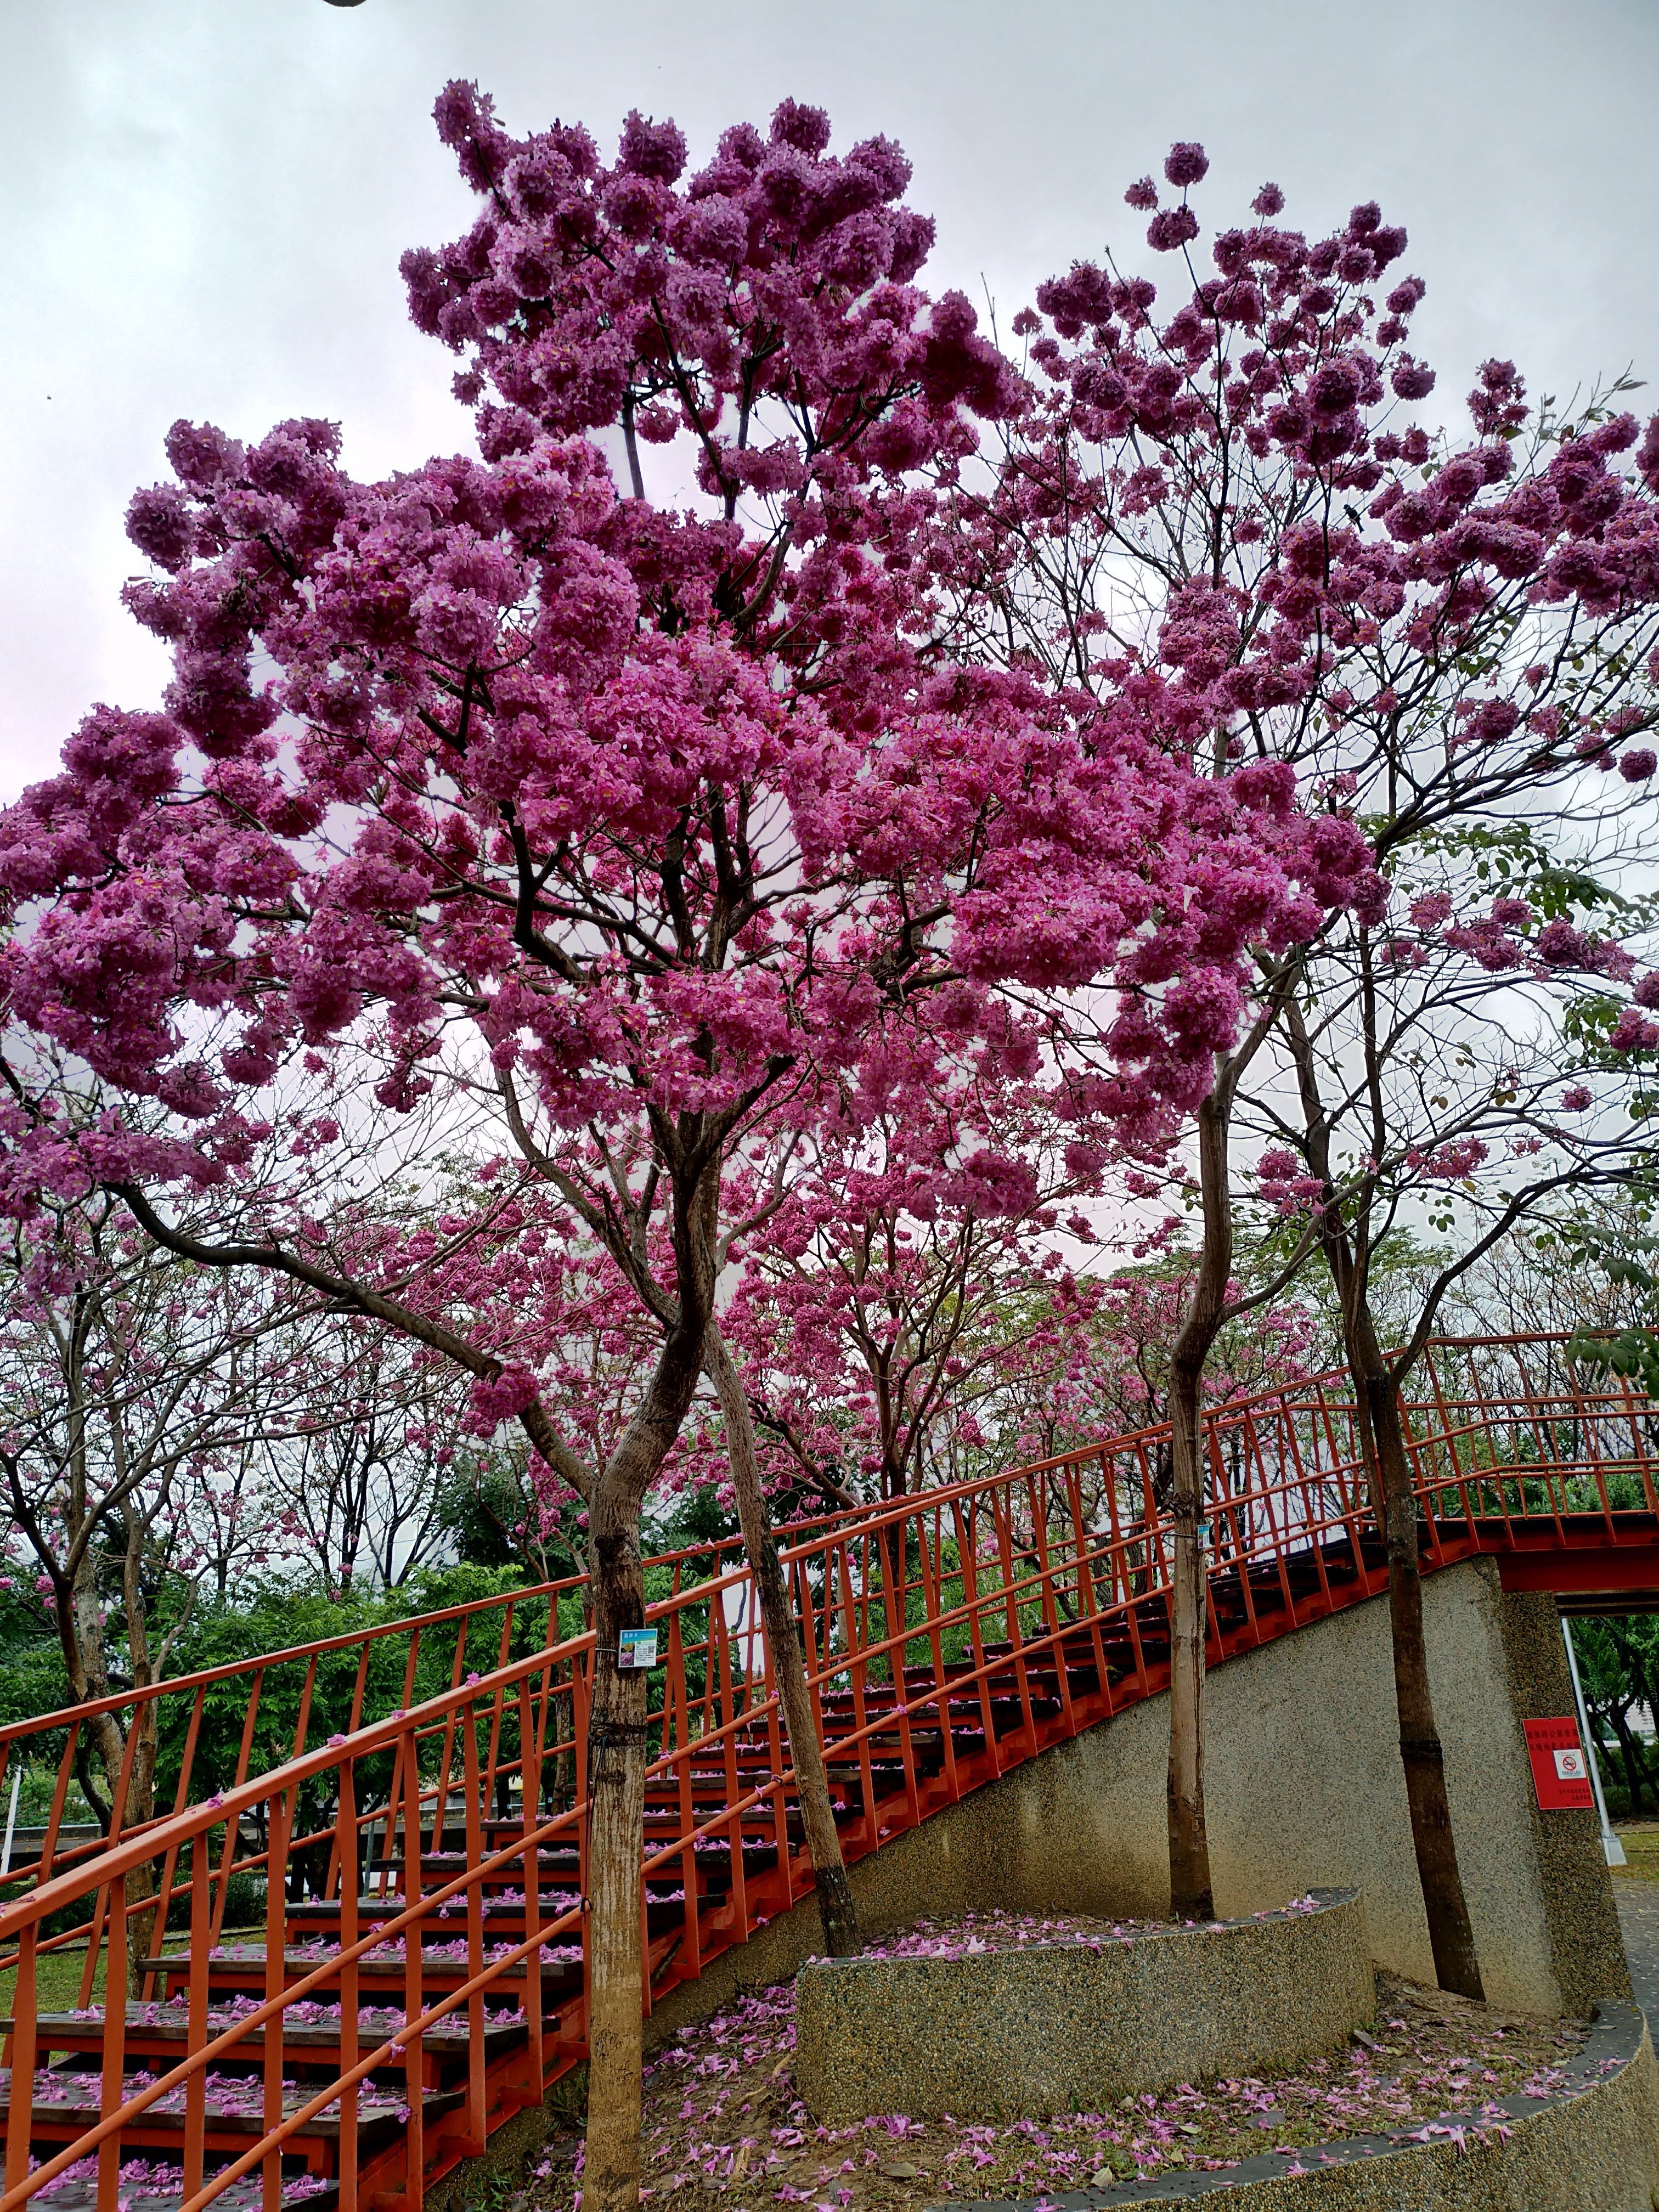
[(202, 201)]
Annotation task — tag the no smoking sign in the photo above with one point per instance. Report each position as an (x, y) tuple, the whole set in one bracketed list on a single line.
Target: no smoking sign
[(1561, 1768)]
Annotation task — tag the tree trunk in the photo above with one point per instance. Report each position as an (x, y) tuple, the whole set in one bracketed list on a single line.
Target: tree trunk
[(1631, 1754), (616, 1733), (1600, 1728), (835, 1894), (892, 1544), (1190, 1894), (141, 1788), (143, 1903), (893, 1491), (1455, 1965), (1382, 1439), (1191, 1897), (1639, 1675)]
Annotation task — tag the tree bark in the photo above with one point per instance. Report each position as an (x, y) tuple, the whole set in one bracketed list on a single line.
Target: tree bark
[(1382, 1440), (835, 1895), (1191, 1895), (1629, 1752), (616, 1733), (1456, 1963), (1641, 1675), (146, 1719), (618, 1730)]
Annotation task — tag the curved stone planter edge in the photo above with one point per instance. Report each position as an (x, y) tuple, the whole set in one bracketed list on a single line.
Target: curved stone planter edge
[(1592, 2147)]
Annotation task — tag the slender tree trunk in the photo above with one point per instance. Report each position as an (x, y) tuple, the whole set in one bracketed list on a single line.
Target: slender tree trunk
[(81, 1639), (140, 1807), (616, 1732), (1382, 1439), (892, 1573), (835, 1894), (141, 1883), (1450, 1936), (1638, 1674), (1601, 1750), (563, 1728), (617, 1728), (893, 1491), (1191, 1895), (1629, 1755)]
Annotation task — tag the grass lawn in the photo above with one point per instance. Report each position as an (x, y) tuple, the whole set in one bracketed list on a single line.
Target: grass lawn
[(58, 1974), (56, 1982), (1641, 1841)]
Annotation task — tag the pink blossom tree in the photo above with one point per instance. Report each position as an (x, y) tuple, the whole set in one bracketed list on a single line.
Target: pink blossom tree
[(1228, 506), (137, 1390), (639, 825), (902, 1351), (1095, 1356), (141, 1396), (872, 1311), (358, 1487), (1458, 1068)]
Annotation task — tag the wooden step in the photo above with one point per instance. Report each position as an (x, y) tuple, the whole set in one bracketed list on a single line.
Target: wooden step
[(498, 1913), (67, 2104), (140, 2190), (163, 2031), (234, 1969)]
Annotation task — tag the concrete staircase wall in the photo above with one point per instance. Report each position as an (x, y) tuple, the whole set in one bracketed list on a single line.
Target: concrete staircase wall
[(1305, 1791)]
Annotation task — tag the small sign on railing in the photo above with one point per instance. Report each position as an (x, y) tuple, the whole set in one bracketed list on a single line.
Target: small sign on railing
[(1561, 1768), (638, 1648)]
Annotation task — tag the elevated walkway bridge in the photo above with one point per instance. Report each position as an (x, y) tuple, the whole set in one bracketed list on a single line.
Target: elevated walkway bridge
[(371, 1957)]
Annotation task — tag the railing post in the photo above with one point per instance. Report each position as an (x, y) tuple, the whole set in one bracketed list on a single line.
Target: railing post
[(302, 1723), (932, 1582), (345, 1849), (201, 1945), (490, 1779), (113, 2071), (472, 1782), (278, 1822), (228, 1866), (180, 1800), (20, 2108), (414, 1998), (530, 1798), (963, 1514)]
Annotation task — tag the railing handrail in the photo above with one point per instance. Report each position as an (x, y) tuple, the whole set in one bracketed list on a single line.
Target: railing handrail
[(355, 1638), (162, 1832), (877, 1511)]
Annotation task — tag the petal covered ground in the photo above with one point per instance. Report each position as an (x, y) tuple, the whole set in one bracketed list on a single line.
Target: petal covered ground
[(722, 2118)]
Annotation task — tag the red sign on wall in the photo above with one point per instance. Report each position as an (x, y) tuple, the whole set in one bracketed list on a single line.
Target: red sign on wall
[(1560, 1770)]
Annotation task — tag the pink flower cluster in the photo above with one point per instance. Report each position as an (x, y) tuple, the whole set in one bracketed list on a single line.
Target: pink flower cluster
[(652, 801)]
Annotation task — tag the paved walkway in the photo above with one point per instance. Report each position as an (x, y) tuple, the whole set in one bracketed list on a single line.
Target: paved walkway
[(1639, 1916)]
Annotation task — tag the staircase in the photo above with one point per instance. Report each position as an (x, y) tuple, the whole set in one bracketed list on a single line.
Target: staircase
[(416, 1977)]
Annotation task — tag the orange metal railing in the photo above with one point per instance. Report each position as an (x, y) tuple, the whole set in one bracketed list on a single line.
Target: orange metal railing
[(417, 1974)]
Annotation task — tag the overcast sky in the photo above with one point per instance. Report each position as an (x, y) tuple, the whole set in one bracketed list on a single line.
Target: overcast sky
[(203, 203)]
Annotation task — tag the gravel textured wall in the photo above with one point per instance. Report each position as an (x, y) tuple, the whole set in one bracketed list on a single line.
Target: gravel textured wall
[(1593, 2148), (1068, 2028)]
